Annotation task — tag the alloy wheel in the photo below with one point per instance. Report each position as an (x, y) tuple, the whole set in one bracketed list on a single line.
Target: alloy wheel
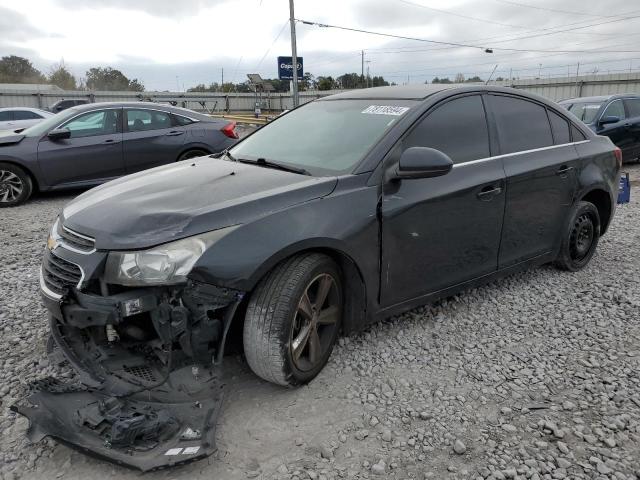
[(315, 322), (11, 186), (582, 236)]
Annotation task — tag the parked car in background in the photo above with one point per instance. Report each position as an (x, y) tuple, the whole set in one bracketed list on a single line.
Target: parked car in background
[(340, 213), (64, 104), (614, 116), (90, 144), (15, 118)]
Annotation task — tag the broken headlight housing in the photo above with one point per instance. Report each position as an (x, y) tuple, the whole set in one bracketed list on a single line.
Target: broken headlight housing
[(166, 264)]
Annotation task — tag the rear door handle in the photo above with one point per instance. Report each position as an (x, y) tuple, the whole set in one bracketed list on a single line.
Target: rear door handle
[(563, 170), (487, 193), (174, 133), (111, 141)]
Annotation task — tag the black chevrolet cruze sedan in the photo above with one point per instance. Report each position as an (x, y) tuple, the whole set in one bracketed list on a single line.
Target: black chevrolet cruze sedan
[(339, 213)]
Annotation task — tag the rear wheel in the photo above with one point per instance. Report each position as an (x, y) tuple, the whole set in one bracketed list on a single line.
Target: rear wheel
[(15, 185), (581, 237), (293, 319), (192, 154)]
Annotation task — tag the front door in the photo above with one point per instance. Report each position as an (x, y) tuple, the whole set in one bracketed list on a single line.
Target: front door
[(92, 155), (633, 124), (438, 232), (151, 138), (619, 132), (540, 164)]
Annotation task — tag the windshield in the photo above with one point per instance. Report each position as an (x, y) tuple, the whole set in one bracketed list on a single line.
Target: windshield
[(47, 124), (585, 111), (324, 137)]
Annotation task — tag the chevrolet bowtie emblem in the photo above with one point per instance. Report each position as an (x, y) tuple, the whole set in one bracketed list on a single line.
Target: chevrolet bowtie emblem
[(51, 243)]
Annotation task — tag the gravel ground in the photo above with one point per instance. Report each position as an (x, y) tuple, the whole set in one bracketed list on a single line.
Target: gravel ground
[(533, 376)]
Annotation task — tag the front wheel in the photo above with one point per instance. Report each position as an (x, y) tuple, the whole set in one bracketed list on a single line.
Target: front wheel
[(580, 237), (15, 185), (293, 319)]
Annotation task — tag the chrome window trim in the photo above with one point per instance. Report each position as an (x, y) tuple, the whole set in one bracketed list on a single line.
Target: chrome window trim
[(169, 112), (514, 154)]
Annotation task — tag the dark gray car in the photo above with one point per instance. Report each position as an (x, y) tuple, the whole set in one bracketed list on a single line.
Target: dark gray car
[(87, 145)]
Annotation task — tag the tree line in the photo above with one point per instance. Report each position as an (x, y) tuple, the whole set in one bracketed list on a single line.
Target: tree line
[(14, 69)]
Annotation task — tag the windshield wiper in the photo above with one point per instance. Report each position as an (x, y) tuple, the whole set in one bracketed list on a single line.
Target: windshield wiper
[(224, 153), (263, 162)]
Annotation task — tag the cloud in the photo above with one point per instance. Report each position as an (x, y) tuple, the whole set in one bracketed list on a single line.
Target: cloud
[(160, 8)]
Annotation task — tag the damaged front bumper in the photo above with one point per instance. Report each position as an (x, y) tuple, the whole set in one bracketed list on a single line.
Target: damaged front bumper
[(148, 364)]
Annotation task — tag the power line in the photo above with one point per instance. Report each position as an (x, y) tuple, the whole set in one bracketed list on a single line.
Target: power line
[(460, 15), (466, 45), (555, 10), (272, 44)]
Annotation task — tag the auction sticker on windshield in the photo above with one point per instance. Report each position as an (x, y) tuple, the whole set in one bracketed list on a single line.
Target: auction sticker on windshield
[(385, 110)]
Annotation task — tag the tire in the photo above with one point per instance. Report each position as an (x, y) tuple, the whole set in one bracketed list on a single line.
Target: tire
[(282, 316), (16, 185), (580, 237), (192, 154)]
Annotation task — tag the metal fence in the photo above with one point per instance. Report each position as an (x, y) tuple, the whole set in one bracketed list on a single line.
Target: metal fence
[(553, 88)]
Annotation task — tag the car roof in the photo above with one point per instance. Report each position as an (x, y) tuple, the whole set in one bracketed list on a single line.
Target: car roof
[(30, 109), (599, 98)]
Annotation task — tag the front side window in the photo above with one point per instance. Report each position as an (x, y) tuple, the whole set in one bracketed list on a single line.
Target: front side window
[(25, 115), (457, 128), (522, 125), (325, 137), (101, 122), (142, 120), (614, 109)]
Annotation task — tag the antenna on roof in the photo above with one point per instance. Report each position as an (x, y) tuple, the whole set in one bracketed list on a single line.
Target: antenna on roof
[(489, 79)]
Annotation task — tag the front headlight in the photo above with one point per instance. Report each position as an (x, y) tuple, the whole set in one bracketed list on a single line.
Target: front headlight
[(166, 264)]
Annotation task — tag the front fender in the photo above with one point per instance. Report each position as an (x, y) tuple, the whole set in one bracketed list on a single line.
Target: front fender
[(345, 222)]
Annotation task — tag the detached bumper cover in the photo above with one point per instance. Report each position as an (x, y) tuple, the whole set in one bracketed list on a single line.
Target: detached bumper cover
[(135, 433)]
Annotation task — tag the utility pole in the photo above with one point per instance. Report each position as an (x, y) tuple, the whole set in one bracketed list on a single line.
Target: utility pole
[(222, 81), (294, 54), (368, 62), (362, 70)]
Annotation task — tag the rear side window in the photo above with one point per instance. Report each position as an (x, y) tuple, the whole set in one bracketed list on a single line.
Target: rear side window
[(614, 109), (457, 128), (522, 125), (6, 116), (25, 115), (560, 127), (182, 121), (633, 106), (141, 120)]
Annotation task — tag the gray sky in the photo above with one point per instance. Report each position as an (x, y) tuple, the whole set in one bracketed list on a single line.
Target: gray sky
[(171, 44)]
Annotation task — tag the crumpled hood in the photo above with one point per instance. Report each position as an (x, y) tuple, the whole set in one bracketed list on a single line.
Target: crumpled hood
[(187, 198)]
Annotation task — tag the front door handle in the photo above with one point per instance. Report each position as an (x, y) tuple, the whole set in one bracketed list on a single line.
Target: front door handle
[(174, 133), (487, 193), (111, 141), (563, 170)]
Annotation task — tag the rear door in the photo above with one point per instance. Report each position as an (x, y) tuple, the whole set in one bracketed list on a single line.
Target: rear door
[(541, 176), (633, 124), (93, 154), (619, 132), (438, 232), (151, 138)]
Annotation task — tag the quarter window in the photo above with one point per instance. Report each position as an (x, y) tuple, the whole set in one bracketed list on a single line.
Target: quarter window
[(615, 109), (560, 128), (633, 106), (457, 128), (142, 120), (101, 122), (522, 125)]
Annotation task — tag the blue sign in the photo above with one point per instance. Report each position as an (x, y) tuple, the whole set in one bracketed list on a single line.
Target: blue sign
[(285, 68)]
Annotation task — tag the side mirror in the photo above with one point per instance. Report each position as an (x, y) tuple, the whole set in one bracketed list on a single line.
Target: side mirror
[(423, 162), (59, 134), (609, 119)]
